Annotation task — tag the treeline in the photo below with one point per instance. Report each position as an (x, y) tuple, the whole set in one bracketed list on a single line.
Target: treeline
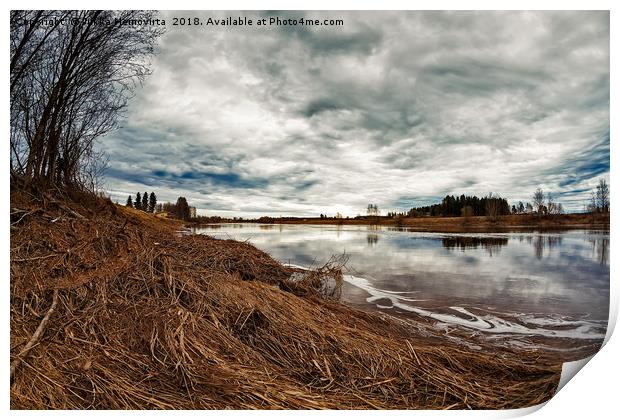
[(180, 210), (145, 202), (464, 205), (492, 205)]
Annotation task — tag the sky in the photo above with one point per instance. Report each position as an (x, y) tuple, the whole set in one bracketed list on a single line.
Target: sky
[(393, 108)]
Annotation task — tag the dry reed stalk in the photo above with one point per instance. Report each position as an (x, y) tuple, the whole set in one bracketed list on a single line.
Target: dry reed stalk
[(35, 337), (145, 318)]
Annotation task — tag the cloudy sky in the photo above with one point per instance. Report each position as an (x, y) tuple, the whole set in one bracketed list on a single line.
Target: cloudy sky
[(393, 108)]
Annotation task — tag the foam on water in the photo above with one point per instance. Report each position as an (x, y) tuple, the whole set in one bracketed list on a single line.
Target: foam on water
[(547, 326)]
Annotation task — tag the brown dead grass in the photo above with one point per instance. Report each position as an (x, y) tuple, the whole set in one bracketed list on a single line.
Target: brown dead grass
[(149, 319), (515, 222)]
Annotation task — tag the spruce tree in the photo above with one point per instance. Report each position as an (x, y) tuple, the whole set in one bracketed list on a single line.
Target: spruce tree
[(138, 201), (152, 202), (145, 202), (129, 202)]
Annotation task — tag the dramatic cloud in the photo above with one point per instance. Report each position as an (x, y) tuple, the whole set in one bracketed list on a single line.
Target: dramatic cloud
[(395, 108)]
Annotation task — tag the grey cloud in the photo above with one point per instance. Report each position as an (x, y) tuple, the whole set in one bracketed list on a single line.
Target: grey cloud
[(361, 41), (396, 108), (320, 105)]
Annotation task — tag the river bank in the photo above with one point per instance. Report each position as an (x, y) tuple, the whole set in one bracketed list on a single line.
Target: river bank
[(111, 308), (515, 222)]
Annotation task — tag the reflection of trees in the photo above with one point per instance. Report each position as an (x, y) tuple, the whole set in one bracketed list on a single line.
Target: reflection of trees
[(554, 241), (539, 246), (372, 238), (541, 242), (493, 245), (397, 229), (265, 227), (600, 248), (603, 251)]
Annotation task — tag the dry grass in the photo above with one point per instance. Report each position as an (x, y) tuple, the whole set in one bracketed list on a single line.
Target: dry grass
[(527, 222), (146, 318)]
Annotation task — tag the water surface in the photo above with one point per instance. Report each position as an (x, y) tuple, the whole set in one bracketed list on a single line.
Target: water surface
[(551, 285)]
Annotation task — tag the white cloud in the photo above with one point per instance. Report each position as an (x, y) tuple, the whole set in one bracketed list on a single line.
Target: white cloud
[(392, 108)]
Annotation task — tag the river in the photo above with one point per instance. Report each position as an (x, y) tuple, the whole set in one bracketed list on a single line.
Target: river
[(544, 289)]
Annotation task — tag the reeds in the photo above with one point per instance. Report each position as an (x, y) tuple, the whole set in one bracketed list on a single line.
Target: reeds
[(148, 319)]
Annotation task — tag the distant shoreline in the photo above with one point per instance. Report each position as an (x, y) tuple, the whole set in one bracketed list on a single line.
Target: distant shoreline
[(446, 224)]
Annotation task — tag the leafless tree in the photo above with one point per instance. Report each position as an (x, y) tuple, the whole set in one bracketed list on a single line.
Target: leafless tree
[(492, 206), (553, 207), (72, 73), (593, 206), (92, 170), (602, 196), (539, 201), (372, 210)]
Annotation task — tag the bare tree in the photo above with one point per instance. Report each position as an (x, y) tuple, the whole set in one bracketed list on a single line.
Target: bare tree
[(93, 167), (552, 206), (602, 196), (593, 207), (539, 201), (492, 206), (372, 210), (70, 83)]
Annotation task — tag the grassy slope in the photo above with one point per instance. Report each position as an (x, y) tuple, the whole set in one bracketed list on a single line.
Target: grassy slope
[(146, 318)]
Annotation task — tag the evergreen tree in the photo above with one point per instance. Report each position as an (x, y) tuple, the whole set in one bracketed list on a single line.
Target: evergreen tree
[(129, 202), (138, 201), (152, 202), (182, 209), (145, 202), (452, 206)]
